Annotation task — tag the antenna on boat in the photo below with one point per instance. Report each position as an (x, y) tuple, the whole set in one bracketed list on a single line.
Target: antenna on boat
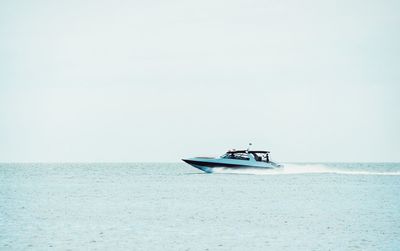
[(248, 148)]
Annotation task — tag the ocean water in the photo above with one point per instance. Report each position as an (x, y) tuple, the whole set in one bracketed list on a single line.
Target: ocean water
[(164, 206)]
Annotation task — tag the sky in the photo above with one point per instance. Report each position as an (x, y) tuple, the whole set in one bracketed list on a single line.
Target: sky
[(155, 81)]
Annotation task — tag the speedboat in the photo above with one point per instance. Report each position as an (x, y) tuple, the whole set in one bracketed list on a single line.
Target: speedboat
[(234, 159)]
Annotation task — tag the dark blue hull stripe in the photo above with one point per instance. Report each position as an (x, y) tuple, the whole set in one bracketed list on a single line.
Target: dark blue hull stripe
[(213, 164)]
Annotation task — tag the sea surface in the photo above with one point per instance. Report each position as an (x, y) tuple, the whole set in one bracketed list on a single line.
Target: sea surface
[(172, 206)]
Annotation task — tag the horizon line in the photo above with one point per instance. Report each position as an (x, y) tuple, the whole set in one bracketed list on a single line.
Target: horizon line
[(173, 162)]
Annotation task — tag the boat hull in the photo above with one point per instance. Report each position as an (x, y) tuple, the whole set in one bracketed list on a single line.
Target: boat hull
[(207, 165)]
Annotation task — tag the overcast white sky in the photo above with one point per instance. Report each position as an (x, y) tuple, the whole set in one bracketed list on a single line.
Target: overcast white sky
[(161, 80)]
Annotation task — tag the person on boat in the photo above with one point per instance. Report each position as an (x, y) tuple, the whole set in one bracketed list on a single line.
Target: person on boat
[(267, 157)]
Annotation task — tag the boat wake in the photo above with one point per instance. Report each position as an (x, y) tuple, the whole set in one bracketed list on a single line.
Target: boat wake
[(356, 169)]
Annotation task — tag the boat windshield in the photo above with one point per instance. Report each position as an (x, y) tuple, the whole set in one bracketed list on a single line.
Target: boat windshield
[(241, 156)]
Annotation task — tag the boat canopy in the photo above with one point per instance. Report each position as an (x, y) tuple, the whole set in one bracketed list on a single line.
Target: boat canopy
[(245, 151)]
